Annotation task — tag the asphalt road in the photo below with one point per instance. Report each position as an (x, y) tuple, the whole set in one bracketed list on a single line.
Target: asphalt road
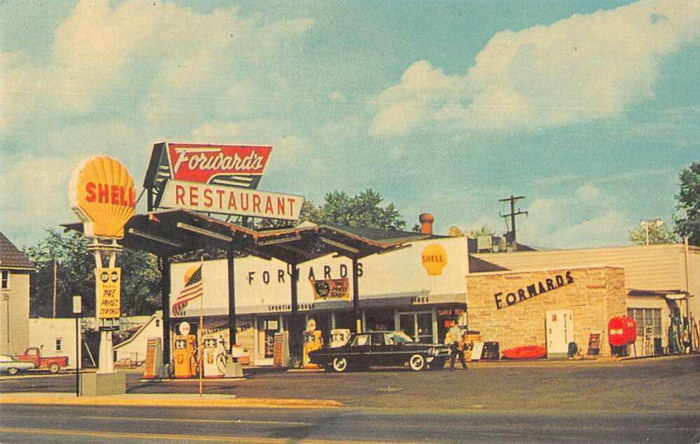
[(24, 424), (653, 400)]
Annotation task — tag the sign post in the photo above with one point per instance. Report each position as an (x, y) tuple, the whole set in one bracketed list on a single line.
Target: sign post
[(102, 195), (77, 309)]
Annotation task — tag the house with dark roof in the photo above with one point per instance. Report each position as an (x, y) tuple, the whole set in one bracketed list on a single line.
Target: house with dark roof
[(15, 270)]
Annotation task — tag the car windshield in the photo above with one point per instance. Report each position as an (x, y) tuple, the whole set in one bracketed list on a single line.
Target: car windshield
[(398, 337), (360, 340)]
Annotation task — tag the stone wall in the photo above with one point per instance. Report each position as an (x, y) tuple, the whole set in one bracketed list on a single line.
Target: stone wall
[(510, 307)]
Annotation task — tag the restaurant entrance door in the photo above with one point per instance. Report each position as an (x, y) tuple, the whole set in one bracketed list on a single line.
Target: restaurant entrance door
[(418, 325)]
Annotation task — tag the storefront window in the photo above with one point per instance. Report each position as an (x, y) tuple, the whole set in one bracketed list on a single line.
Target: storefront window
[(379, 320), (418, 326), (268, 326), (646, 317), (345, 319)]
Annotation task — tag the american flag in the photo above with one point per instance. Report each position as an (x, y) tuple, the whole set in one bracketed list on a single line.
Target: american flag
[(194, 288)]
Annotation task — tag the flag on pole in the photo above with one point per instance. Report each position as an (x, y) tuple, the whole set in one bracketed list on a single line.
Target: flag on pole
[(193, 289)]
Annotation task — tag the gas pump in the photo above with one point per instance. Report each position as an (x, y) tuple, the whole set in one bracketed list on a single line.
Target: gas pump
[(312, 341), (184, 349), (215, 347), (339, 336)]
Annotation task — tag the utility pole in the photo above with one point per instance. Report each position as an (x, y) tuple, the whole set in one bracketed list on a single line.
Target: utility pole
[(510, 235), (55, 277)]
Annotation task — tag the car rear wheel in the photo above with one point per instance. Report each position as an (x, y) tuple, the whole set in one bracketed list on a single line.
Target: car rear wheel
[(339, 364), (54, 368), (12, 371), (417, 362)]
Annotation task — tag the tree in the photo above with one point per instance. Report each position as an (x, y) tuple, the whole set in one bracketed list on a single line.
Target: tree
[(455, 232), (659, 233), (362, 210), (140, 290), (688, 223), (483, 231)]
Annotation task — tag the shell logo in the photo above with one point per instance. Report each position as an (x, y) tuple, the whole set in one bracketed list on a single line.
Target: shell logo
[(434, 259), (102, 194)]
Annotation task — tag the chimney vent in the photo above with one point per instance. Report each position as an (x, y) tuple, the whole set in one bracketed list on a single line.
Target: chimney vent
[(426, 223)]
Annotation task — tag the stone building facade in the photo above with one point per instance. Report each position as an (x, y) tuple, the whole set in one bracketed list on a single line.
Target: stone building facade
[(511, 307)]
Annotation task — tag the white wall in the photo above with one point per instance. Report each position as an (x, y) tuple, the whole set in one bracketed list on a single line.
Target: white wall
[(135, 349), (261, 283), (43, 333), (14, 313)]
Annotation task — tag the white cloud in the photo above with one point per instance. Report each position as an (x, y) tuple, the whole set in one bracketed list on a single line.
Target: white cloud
[(586, 219), (119, 77), (337, 96), (588, 192), (140, 51), (583, 67), (34, 194)]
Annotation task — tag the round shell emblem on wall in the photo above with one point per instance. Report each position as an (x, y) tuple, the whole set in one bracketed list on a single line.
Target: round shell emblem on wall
[(434, 259)]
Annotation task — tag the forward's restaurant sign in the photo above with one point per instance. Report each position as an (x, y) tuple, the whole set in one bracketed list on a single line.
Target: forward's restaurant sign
[(203, 163), (194, 167), (103, 196)]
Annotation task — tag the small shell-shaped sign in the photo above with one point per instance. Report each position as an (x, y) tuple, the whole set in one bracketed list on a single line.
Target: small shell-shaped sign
[(434, 259), (103, 196)]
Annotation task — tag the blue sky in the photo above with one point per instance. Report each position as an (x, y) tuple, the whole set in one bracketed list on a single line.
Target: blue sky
[(588, 108)]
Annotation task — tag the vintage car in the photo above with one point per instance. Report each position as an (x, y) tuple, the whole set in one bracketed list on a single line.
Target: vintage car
[(10, 365), (381, 348)]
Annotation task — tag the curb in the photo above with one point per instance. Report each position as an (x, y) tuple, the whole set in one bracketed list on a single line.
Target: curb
[(189, 401)]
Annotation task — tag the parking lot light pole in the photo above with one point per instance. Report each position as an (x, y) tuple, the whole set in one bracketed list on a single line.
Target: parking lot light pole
[(77, 309)]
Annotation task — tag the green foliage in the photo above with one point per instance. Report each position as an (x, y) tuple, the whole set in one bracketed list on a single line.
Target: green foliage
[(75, 275), (362, 210), (483, 231), (688, 223), (658, 234)]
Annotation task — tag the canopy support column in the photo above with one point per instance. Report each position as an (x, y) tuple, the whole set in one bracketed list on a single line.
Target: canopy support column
[(231, 301), (356, 296), (165, 304), (295, 333)]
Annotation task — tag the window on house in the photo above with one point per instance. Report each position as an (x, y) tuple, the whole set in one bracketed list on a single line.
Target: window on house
[(157, 323), (59, 344), (5, 280), (646, 317)]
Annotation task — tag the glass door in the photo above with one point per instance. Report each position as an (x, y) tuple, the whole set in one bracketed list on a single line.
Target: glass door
[(407, 324), (424, 324), (417, 325), (267, 327)]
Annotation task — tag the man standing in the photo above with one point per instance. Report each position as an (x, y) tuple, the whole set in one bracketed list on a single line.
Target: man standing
[(456, 348)]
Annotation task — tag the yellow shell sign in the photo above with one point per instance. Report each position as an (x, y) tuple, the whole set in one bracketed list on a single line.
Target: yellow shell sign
[(102, 194), (434, 259)]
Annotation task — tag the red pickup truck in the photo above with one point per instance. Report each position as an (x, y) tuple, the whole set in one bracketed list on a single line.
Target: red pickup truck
[(53, 363)]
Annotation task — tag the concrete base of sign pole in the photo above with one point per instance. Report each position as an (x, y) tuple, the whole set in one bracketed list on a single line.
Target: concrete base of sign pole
[(233, 369), (103, 384)]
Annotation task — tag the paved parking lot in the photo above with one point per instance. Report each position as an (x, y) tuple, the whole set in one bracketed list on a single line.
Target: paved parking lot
[(658, 384)]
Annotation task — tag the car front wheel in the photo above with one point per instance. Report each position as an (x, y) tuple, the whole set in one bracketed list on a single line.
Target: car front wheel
[(12, 371), (417, 362), (54, 368), (340, 364)]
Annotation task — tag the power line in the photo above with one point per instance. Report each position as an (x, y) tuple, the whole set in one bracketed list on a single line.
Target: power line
[(510, 235)]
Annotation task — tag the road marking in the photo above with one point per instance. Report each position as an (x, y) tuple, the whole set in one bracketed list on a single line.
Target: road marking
[(224, 421), (171, 437)]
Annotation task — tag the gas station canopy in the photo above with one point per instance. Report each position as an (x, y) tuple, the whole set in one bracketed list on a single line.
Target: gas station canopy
[(171, 232)]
